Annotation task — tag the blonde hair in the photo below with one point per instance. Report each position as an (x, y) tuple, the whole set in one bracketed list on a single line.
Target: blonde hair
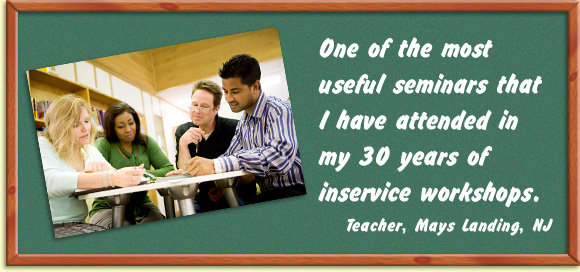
[(61, 116)]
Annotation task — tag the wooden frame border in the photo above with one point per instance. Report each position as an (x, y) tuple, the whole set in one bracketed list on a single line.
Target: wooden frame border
[(13, 7)]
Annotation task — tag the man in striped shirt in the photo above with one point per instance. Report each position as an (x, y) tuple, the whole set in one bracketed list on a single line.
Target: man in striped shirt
[(265, 140)]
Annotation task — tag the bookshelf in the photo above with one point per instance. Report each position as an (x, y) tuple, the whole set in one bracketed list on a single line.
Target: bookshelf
[(45, 86)]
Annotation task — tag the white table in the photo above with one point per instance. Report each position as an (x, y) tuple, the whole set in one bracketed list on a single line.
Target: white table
[(181, 189)]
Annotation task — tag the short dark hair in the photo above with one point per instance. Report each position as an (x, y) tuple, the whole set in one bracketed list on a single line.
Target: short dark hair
[(109, 123), (243, 66), (211, 87)]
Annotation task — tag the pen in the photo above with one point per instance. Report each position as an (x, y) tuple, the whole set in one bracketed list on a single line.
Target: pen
[(152, 178)]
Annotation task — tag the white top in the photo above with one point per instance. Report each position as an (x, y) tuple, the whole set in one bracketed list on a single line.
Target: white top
[(61, 180)]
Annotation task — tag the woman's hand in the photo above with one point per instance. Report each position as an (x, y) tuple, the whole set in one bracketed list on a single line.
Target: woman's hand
[(97, 166), (174, 172), (128, 176)]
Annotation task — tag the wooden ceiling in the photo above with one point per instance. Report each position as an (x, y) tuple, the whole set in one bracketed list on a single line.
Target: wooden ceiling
[(158, 69)]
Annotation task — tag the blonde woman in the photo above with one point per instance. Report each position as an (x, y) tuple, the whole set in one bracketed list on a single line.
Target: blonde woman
[(70, 162)]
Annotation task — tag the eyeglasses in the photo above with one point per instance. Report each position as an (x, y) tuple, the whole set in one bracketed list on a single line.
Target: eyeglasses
[(200, 108)]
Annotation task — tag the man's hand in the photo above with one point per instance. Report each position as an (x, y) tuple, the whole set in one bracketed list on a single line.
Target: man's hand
[(192, 135), (198, 166)]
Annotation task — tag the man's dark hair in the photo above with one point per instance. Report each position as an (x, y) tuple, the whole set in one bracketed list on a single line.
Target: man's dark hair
[(243, 66)]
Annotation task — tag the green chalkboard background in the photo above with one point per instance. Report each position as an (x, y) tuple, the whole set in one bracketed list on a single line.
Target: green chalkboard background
[(534, 155)]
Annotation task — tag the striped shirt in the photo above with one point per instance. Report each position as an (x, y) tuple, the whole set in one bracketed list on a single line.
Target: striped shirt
[(265, 145)]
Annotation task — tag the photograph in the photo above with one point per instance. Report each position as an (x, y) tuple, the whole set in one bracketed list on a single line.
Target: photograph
[(166, 132)]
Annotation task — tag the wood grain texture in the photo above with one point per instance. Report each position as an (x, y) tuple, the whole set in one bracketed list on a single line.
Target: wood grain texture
[(287, 6), (158, 69), (15, 6), (296, 260), (189, 62), (11, 134), (573, 133), (136, 67)]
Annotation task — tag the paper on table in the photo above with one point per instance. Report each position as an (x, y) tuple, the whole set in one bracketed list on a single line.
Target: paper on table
[(175, 178), (144, 180)]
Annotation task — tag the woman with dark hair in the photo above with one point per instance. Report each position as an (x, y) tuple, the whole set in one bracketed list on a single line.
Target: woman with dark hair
[(123, 146)]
